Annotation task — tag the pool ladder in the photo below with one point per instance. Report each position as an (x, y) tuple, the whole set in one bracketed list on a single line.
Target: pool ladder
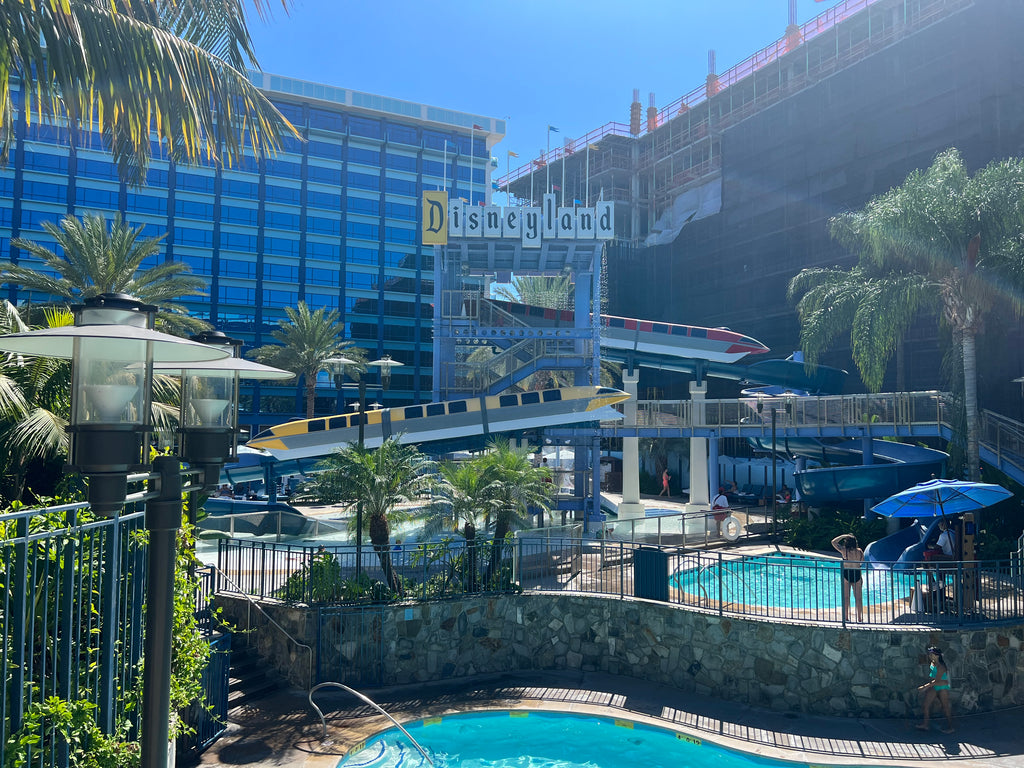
[(367, 700)]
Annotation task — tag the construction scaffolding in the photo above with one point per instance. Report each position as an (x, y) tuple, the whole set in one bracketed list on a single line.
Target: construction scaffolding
[(644, 166)]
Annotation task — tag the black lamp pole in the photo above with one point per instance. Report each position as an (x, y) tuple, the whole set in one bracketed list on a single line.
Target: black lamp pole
[(774, 481), (359, 504)]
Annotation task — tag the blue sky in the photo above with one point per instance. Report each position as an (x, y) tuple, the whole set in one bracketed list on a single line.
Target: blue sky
[(568, 63)]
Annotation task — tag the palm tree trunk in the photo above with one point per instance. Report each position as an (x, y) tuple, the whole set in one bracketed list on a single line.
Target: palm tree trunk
[(310, 395), (471, 567), (380, 537), (971, 406)]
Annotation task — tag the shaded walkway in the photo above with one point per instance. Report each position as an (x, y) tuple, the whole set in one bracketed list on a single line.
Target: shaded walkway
[(283, 731)]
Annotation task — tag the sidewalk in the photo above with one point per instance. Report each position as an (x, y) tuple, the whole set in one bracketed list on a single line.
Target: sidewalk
[(283, 730)]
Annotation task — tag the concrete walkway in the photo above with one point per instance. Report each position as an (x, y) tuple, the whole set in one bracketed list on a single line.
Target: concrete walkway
[(283, 730)]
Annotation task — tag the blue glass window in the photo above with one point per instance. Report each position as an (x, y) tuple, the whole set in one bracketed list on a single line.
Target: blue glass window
[(200, 265), (323, 226), (237, 241), (7, 217), (281, 246), (96, 169), (325, 149), (435, 140), (324, 175), (324, 300), (274, 298), (237, 214), (291, 145), (292, 112), (51, 193), (434, 168), (281, 220), (364, 156), (401, 162), (360, 279), (237, 268), (361, 126), (363, 205), (193, 210), (43, 161), (320, 276), (362, 230), (157, 178), (194, 182), (399, 259), (147, 204), (234, 294), (400, 211), (328, 251), (88, 197), (399, 235), (279, 194), (354, 255), (326, 121), (243, 189), (400, 186), (284, 169), (363, 181), (6, 186), (281, 273), (199, 238), (326, 200), (402, 134)]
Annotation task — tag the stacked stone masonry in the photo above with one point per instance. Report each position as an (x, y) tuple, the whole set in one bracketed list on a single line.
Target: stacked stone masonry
[(785, 666)]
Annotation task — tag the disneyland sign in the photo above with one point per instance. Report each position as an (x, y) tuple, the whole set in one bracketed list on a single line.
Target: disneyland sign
[(443, 218)]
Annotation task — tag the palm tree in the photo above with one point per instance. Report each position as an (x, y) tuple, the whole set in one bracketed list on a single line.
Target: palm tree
[(514, 485), (93, 260), (550, 291), (173, 67), (942, 239), (461, 498), (307, 341), (34, 405), (381, 480)]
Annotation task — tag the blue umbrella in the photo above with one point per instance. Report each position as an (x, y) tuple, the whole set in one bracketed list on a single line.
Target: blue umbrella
[(941, 497)]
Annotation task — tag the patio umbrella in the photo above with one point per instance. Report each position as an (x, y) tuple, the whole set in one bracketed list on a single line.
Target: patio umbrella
[(941, 497)]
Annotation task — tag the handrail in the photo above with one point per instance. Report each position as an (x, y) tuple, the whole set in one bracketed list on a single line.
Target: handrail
[(251, 601), (367, 700)]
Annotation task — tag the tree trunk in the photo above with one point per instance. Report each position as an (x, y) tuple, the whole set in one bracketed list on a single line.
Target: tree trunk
[(501, 528), (971, 406), (310, 395), (380, 537)]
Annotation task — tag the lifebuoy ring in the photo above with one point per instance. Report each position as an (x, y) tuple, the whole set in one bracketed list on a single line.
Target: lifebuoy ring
[(731, 528)]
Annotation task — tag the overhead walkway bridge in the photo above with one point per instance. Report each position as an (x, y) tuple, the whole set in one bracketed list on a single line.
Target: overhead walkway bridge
[(830, 426)]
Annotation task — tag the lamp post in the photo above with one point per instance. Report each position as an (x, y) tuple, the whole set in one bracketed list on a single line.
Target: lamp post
[(113, 348), (336, 365)]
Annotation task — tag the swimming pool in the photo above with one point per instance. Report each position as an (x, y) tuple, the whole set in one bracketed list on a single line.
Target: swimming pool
[(518, 739), (786, 581)]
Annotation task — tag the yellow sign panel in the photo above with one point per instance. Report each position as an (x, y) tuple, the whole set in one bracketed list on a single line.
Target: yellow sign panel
[(434, 228)]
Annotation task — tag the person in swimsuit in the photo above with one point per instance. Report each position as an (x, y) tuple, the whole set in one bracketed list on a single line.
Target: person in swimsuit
[(665, 477), (846, 545), (937, 687)]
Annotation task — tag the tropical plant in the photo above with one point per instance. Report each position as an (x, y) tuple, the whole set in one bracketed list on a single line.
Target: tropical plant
[(381, 480), (462, 498), (129, 68), (551, 291), (941, 239), (514, 486), (307, 341), (92, 259)]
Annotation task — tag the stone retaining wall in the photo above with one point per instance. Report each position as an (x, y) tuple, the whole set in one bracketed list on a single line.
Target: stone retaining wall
[(791, 666)]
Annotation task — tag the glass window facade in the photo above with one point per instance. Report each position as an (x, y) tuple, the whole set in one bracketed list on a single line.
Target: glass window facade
[(330, 220)]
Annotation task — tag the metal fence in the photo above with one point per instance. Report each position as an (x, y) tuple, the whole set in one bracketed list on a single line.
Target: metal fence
[(71, 616), (768, 587)]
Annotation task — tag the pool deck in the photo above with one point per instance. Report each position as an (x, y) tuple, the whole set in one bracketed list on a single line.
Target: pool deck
[(283, 730)]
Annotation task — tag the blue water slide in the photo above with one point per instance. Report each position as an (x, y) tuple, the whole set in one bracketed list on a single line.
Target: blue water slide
[(896, 466), (903, 549)]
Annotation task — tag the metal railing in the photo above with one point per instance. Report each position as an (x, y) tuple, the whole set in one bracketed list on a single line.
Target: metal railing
[(763, 587), (817, 413), (1004, 437)]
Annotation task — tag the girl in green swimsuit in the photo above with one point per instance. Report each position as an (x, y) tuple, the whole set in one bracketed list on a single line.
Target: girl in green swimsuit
[(937, 687)]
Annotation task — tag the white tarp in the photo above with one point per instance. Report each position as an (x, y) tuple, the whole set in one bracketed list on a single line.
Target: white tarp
[(696, 203)]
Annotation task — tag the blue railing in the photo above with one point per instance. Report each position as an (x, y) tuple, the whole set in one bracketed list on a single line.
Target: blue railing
[(766, 587)]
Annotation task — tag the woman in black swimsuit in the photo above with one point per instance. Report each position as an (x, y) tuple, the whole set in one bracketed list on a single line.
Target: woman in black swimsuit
[(846, 545)]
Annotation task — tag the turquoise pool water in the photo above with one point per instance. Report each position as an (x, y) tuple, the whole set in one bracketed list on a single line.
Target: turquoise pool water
[(787, 581), (545, 740)]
